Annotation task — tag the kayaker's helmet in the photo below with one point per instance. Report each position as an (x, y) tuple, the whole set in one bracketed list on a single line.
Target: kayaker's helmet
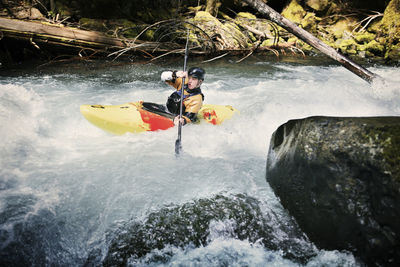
[(197, 72)]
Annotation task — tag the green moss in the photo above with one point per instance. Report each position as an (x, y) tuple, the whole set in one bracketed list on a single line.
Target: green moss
[(364, 38), (333, 9), (92, 24), (294, 12), (270, 42), (304, 46), (246, 15), (129, 29), (239, 39), (390, 23), (375, 48), (205, 18), (391, 17), (393, 53), (347, 46), (342, 26), (309, 22), (231, 36)]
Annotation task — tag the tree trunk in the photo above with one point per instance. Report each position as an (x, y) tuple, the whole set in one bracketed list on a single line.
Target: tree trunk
[(212, 7), (311, 40)]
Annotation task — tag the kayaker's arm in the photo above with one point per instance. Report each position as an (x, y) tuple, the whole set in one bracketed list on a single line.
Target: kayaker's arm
[(174, 78)]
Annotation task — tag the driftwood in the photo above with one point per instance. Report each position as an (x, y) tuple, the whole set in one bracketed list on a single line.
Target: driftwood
[(311, 40)]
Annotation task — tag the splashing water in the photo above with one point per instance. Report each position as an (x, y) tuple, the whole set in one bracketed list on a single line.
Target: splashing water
[(67, 188)]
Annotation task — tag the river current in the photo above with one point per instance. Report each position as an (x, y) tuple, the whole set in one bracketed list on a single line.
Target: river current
[(74, 195)]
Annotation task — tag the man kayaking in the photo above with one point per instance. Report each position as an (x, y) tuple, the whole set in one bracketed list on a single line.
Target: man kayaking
[(192, 98)]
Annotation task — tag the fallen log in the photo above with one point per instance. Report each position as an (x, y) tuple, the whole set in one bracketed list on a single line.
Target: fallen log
[(31, 29), (311, 40), (39, 33)]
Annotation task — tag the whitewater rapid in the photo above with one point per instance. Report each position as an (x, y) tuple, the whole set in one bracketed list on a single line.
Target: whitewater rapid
[(65, 185)]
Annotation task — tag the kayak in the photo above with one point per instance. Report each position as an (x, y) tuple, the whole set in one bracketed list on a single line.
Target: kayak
[(136, 117)]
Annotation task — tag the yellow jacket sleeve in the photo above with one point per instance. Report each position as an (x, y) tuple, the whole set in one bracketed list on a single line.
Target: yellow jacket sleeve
[(177, 83)]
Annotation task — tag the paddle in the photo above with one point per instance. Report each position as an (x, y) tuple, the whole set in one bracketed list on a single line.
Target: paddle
[(178, 142)]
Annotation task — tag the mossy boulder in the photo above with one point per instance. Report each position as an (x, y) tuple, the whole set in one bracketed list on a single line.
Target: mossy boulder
[(342, 26), (393, 53), (195, 224), (340, 179), (364, 37), (294, 12), (376, 48), (244, 19), (310, 22), (227, 34), (347, 46), (388, 29), (391, 19)]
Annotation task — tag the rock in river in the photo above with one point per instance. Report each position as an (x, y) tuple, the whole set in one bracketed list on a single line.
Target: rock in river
[(340, 179)]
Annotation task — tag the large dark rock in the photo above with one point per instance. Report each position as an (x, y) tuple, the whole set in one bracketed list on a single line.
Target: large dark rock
[(196, 224), (340, 179)]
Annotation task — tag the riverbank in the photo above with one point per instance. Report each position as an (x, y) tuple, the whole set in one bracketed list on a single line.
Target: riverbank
[(52, 36)]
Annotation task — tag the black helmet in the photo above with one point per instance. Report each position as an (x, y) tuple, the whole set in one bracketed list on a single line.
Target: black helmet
[(197, 72)]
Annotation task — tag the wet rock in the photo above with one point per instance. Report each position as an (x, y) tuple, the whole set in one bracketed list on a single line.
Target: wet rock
[(198, 223), (340, 179)]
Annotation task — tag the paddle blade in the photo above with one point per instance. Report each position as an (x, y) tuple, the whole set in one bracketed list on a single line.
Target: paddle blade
[(178, 147)]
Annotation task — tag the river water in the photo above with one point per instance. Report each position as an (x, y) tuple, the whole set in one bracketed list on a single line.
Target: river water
[(70, 193)]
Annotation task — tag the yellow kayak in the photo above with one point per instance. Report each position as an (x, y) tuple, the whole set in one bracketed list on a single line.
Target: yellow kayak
[(136, 117)]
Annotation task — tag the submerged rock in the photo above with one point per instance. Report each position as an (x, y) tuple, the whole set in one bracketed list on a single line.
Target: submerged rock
[(340, 179), (198, 223)]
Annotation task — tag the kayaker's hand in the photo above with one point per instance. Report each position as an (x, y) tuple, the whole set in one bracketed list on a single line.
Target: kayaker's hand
[(176, 120), (181, 74)]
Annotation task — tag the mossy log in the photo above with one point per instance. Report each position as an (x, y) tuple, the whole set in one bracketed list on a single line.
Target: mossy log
[(39, 33), (311, 40)]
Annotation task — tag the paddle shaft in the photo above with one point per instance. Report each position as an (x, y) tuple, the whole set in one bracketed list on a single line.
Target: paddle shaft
[(178, 142)]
